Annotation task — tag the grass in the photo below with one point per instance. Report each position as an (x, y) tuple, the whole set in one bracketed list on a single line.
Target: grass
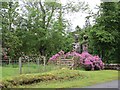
[(94, 77), (91, 78), (13, 70), (56, 75)]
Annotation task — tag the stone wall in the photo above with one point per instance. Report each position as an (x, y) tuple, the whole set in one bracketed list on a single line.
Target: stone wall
[(112, 66)]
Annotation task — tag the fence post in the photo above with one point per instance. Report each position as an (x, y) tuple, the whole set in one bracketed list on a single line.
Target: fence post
[(28, 65), (9, 60), (60, 62), (44, 59), (38, 63), (20, 65)]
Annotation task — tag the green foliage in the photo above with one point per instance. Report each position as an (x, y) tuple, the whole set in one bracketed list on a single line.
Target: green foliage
[(37, 28), (35, 78), (36, 31), (9, 38), (104, 35)]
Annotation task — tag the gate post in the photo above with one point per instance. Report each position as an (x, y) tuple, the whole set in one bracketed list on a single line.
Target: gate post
[(20, 65)]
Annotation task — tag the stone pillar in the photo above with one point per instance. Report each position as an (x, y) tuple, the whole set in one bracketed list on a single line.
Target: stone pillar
[(76, 44), (85, 43)]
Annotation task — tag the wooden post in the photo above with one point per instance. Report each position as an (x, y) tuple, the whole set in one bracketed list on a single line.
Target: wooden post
[(28, 65), (38, 63), (73, 62), (9, 60), (44, 59), (20, 65), (60, 61)]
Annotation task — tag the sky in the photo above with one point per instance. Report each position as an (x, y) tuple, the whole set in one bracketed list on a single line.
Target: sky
[(79, 18)]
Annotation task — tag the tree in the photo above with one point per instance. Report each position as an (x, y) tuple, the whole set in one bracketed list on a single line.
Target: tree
[(36, 28), (9, 38), (105, 32), (46, 20)]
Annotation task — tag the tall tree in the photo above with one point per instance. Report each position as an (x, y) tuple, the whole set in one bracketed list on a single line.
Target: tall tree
[(36, 27), (9, 38), (105, 33)]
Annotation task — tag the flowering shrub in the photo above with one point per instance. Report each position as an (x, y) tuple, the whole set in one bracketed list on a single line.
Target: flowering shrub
[(71, 54), (56, 56), (88, 61)]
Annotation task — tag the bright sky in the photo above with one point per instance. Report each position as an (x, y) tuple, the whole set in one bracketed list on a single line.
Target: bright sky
[(79, 18)]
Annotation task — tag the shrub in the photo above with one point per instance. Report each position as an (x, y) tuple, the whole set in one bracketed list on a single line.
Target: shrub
[(85, 60)]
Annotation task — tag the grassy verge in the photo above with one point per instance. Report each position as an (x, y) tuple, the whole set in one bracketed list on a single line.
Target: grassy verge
[(27, 79), (93, 77), (65, 79)]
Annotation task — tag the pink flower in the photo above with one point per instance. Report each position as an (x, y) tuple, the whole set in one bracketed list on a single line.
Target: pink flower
[(87, 61)]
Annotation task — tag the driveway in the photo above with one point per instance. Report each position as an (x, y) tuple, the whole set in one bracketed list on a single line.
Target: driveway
[(112, 84)]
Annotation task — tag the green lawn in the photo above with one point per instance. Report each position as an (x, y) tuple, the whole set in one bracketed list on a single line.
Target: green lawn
[(93, 77), (13, 70)]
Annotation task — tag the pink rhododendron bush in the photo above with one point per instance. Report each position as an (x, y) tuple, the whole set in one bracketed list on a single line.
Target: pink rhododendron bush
[(85, 60)]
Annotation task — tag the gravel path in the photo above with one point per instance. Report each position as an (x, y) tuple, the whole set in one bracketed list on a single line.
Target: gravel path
[(112, 84)]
